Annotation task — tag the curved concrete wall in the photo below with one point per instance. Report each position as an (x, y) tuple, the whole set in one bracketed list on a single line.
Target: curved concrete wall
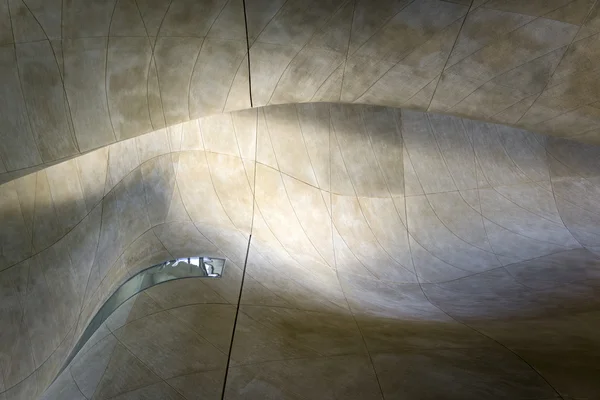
[(79, 75), (175, 335), (381, 239), (93, 222)]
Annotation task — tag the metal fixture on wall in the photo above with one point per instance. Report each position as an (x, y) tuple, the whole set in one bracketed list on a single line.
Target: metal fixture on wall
[(181, 268)]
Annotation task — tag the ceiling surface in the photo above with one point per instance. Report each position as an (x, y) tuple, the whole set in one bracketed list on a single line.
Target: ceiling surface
[(440, 239), (81, 74)]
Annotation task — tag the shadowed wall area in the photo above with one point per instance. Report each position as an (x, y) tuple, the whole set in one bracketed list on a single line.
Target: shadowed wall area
[(76, 75), (388, 254)]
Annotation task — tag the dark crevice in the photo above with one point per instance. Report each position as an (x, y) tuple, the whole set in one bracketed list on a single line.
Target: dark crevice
[(237, 310), (248, 53), (237, 313)]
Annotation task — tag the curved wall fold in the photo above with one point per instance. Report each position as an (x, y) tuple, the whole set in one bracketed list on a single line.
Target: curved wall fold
[(380, 237), (78, 76), (371, 166)]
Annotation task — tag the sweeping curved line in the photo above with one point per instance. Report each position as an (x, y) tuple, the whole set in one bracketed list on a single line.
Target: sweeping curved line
[(167, 271)]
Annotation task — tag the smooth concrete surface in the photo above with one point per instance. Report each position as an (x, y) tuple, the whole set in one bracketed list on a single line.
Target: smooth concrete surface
[(77, 75), (393, 254)]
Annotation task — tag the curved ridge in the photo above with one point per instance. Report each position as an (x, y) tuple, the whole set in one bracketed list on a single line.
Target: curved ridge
[(163, 204), (96, 209), (494, 76)]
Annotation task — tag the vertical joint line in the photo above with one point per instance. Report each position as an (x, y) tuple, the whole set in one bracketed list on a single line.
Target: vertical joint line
[(237, 312), (248, 53)]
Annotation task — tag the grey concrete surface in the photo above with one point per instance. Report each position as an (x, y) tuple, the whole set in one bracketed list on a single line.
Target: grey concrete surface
[(394, 254), (437, 240)]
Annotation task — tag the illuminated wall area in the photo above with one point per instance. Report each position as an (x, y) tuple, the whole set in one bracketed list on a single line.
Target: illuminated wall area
[(406, 195)]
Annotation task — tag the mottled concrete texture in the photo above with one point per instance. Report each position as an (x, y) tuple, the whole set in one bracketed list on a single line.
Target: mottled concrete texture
[(439, 240), (394, 254), (77, 75)]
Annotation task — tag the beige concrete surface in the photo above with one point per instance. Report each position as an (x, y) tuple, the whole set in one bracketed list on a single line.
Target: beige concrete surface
[(438, 239), (79, 75), (156, 345), (394, 254)]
